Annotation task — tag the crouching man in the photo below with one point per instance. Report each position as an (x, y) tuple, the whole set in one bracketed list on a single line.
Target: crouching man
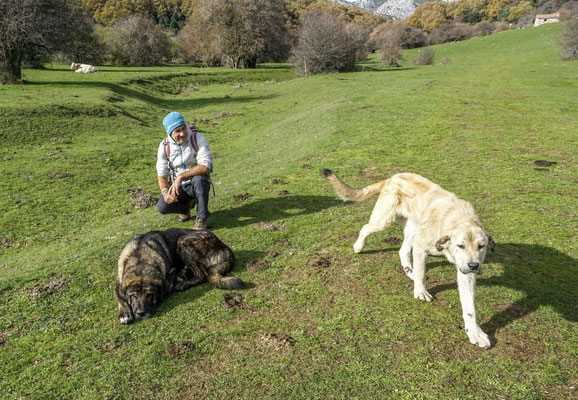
[(184, 162)]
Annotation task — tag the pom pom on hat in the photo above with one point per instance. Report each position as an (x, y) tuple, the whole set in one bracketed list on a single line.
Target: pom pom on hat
[(173, 120)]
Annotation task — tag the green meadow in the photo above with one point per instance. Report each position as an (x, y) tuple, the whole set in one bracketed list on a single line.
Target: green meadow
[(318, 321)]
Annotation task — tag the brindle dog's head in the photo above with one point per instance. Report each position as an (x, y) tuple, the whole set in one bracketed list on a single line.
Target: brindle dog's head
[(142, 289), (466, 247)]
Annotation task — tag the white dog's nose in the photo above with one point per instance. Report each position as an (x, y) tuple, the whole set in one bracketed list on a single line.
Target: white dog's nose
[(473, 265)]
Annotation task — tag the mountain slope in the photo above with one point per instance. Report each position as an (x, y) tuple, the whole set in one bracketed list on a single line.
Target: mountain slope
[(392, 8)]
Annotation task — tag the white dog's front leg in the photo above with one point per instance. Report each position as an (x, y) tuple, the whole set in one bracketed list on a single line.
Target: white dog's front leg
[(419, 291), (467, 289), (360, 242)]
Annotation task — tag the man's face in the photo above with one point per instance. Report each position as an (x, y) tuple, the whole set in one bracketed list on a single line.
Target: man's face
[(180, 134)]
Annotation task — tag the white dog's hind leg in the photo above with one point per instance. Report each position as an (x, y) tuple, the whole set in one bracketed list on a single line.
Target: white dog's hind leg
[(382, 216), (406, 247), (467, 289), (419, 291)]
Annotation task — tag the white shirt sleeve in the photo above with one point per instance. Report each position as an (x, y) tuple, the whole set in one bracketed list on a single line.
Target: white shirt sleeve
[(162, 162), (204, 154)]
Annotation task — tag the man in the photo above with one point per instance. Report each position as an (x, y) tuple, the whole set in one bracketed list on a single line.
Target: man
[(184, 162)]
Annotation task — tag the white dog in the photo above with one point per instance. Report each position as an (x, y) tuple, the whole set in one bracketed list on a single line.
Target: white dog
[(83, 68), (435, 222)]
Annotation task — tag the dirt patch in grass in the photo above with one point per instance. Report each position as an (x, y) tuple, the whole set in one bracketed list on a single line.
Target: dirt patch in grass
[(6, 243), (282, 193), (257, 265), (178, 349), (234, 301), (276, 181), (60, 175), (393, 240), (109, 346), (307, 166), (544, 163), (139, 198), (373, 173), (277, 341), (270, 227), (60, 140), (319, 262), (242, 196), (272, 254), (50, 288)]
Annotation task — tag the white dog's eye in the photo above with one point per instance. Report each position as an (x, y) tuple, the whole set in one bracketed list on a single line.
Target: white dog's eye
[(461, 246)]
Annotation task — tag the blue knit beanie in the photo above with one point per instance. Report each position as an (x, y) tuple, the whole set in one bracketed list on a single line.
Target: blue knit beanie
[(173, 120)]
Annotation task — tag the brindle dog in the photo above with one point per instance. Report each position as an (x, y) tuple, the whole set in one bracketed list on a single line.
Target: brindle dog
[(153, 265)]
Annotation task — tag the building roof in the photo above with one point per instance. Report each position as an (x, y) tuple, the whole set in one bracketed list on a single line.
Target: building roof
[(546, 16)]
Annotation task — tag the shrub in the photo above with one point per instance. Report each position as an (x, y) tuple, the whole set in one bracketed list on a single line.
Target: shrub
[(569, 39), (391, 55), (483, 28), (426, 57), (326, 44), (452, 32), (138, 41), (569, 10)]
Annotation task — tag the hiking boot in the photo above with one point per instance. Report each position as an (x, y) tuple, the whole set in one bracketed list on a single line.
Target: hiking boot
[(200, 224), (185, 217)]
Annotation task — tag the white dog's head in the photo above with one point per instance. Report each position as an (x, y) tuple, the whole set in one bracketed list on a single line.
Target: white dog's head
[(74, 66), (466, 247)]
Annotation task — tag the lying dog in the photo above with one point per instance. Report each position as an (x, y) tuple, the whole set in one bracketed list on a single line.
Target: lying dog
[(153, 265), (83, 68), (435, 222)]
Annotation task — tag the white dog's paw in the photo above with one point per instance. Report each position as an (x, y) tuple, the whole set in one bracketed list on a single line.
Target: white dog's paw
[(357, 247), (479, 338), (422, 294)]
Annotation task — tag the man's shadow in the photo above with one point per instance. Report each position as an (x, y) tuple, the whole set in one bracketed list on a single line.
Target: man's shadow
[(271, 209), (546, 276)]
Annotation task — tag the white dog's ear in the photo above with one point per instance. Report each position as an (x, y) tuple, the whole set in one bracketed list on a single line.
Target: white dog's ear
[(491, 244), (443, 243)]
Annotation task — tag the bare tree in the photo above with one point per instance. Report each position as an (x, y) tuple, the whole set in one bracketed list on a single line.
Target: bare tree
[(241, 31), (138, 41), (326, 44), (35, 27)]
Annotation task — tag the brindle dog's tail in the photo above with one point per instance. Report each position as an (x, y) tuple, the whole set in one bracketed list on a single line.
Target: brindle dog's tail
[(346, 192), (217, 279)]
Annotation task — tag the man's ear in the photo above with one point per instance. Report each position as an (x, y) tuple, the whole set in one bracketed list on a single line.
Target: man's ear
[(443, 243), (491, 244)]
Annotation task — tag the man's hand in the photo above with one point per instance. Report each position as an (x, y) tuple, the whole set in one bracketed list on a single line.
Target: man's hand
[(174, 189), (169, 198)]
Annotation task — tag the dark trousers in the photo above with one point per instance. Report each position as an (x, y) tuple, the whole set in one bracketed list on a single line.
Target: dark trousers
[(196, 189)]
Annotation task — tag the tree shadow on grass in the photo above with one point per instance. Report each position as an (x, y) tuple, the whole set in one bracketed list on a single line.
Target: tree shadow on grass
[(546, 276), (128, 92), (271, 209)]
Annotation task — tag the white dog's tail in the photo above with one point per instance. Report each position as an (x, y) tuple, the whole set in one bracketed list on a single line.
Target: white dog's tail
[(346, 192)]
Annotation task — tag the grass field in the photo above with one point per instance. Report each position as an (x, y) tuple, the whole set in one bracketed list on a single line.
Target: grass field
[(73, 147)]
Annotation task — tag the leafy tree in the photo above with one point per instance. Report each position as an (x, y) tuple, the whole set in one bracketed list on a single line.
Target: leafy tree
[(429, 16), (36, 27)]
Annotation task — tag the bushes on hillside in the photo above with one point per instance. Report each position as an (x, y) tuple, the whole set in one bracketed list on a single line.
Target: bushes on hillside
[(452, 32), (569, 39), (426, 57), (138, 41), (326, 44)]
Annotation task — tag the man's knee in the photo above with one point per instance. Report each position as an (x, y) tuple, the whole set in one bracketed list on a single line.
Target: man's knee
[(201, 183), (162, 207)]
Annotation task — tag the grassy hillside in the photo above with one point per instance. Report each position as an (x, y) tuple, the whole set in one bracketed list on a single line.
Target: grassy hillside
[(72, 147)]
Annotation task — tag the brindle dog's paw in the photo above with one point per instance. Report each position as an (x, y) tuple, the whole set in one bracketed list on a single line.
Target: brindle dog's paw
[(125, 317)]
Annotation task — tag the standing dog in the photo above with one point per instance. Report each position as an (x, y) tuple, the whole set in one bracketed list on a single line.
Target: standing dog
[(153, 265), (434, 222)]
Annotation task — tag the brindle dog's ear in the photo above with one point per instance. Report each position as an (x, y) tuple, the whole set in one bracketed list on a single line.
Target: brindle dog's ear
[(441, 244), (491, 244)]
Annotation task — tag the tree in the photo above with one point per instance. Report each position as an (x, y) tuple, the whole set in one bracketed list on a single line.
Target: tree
[(326, 44), (241, 31), (137, 41), (35, 27)]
